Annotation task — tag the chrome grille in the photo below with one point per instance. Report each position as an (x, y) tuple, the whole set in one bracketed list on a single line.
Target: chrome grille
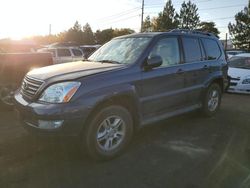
[(30, 86)]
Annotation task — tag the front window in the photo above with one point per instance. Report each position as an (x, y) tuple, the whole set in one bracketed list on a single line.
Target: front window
[(168, 50), (240, 62), (121, 50)]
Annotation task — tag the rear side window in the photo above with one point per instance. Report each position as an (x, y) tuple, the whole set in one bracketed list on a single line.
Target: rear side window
[(212, 49), (76, 52), (192, 49), (63, 52)]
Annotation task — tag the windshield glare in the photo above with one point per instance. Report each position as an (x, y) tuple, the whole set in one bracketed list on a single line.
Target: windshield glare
[(121, 50), (239, 62)]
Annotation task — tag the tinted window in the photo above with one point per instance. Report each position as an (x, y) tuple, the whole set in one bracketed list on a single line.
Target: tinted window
[(168, 49), (191, 49), (239, 62), (212, 49), (77, 52), (63, 52)]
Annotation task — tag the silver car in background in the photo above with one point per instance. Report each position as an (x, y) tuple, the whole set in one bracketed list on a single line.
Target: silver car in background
[(65, 54)]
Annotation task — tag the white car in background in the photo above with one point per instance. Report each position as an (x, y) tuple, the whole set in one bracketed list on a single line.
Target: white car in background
[(231, 53), (64, 54), (239, 73)]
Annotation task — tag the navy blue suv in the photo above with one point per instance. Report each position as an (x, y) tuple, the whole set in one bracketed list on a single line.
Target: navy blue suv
[(129, 82)]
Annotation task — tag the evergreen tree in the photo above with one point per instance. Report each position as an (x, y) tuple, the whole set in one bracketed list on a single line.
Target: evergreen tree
[(74, 34), (167, 19), (209, 27), (147, 25), (240, 31), (189, 17), (88, 35), (104, 35)]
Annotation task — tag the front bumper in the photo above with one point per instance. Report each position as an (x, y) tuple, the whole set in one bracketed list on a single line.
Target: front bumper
[(236, 86), (36, 117)]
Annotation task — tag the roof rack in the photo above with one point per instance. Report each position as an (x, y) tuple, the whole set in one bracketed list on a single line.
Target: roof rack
[(196, 31)]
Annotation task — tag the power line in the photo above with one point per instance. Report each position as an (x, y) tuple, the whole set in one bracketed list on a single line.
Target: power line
[(162, 5), (123, 13), (222, 7), (122, 19), (212, 8), (222, 18)]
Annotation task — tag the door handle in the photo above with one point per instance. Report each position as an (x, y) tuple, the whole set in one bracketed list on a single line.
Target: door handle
[(205, 67), (180, 71)]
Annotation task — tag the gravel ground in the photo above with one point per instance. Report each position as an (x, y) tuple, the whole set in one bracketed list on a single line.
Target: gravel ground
[(187, 152)]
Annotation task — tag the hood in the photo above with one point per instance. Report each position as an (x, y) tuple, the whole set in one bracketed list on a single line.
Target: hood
[(74, 70), (238, 72)]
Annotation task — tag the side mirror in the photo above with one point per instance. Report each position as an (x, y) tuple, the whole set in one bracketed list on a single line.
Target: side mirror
[(153, 62)]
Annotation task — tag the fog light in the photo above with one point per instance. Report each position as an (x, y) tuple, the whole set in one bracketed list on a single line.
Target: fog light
[(49, 124)]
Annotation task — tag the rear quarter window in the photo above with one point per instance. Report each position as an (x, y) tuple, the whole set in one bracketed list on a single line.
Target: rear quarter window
[(212, 49)]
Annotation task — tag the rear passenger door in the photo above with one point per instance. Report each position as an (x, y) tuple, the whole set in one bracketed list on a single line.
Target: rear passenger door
[(163, 86), (64, 55), (196, 68)]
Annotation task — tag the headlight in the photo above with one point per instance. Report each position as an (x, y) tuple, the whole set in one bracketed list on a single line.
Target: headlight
[(246, 80), (60, 92)]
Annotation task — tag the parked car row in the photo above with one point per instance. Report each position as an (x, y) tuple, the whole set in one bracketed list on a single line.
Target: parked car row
[(64, 54), (130, 82)]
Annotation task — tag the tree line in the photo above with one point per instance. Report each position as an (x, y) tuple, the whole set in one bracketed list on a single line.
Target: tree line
[(187, 18), (168, 19), (83, 35)]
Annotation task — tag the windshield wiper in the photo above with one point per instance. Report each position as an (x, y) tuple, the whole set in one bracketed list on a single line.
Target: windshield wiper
[(109, 61)]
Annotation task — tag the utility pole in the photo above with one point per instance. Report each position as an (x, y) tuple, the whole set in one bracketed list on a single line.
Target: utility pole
[(142, 13), (49, 29), (226, 42)]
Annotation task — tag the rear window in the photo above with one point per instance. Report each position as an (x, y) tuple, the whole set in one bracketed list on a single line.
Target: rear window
[(211, 48), (192, 49)]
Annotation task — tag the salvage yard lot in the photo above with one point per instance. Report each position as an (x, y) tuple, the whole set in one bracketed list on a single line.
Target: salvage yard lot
[(188, 152)]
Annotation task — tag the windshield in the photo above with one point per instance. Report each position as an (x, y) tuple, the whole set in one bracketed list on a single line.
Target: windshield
[(121, 50), (239, 62)]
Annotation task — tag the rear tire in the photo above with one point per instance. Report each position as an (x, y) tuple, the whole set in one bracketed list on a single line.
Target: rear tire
[(108, 133), (212, 100)]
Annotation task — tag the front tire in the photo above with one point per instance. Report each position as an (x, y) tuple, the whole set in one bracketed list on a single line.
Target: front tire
[(108, 133), (212, 100)]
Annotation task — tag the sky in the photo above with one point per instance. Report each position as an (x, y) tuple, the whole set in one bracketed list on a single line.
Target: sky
[(24, 18)]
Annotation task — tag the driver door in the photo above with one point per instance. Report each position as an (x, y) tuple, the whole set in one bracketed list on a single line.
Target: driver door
[(163, 86)]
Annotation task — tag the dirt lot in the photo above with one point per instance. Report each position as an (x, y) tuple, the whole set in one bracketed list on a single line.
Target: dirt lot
[(187, 152)]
